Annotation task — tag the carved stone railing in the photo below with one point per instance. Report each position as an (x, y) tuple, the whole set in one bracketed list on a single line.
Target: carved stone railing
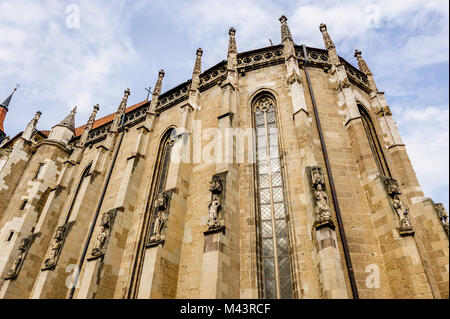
[(256, 59), (212, 76), (316, 57), (98, 134), (173, 96), (356, 76)]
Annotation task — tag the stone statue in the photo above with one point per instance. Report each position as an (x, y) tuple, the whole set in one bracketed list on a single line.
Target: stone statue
[(214, 207), (322, 204), (56, 246), (14, 270), (216, 189), (158, 227), (402, 212), (160, 207), (105, 228), (321, 197)]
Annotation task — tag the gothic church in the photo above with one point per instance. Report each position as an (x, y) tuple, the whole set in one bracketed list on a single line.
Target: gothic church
[(325, 204)]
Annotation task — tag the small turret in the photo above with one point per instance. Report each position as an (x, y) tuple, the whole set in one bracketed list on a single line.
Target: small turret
[(65, 130)]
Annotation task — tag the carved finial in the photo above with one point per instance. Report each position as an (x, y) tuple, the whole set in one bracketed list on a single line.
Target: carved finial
[(36, 117), (285, 32), (362, 64), (92, 118), (158, 85), (28, 133), (198, 62), (326, 37), (123, 104), (232, 41)]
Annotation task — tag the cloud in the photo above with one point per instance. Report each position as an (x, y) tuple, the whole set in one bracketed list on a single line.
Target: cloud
[(124, 43), (426, 135), (60, 65)]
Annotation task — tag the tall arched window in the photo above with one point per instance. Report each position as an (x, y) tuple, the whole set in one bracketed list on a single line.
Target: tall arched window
[(374, 142), (159, 180), (275, 267), (83, 184), (162, 171)]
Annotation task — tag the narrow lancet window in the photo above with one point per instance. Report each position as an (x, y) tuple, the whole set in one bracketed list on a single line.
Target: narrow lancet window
[(274, 234), (160, 199), (374, 142)]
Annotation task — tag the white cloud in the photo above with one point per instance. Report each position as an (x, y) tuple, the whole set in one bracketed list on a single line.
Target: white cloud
[(59, 67), (64, 66), (426, 135)]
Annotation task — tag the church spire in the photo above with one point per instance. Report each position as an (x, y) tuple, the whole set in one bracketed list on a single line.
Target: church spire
[(329, 45), (69, 120), (120, 111), (362, 65), (5, 103), (157, 91), (287, 40), (89, 125), (285, 32), (232, 58), (364, 68), (31, 127), (232, 49), (197, 70), (3, 110)]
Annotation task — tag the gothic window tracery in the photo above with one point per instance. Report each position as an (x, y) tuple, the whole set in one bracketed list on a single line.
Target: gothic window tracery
[(374, 142), (275, 269)]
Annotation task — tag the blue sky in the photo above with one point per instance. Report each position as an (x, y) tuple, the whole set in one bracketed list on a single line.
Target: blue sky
[(123, 44)]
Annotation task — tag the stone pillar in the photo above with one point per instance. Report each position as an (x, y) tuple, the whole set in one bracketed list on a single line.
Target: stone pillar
[(220, 264), (95, 277), (162, 255)]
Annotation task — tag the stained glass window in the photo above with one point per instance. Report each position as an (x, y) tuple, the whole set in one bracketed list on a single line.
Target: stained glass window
[(274, 236)]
